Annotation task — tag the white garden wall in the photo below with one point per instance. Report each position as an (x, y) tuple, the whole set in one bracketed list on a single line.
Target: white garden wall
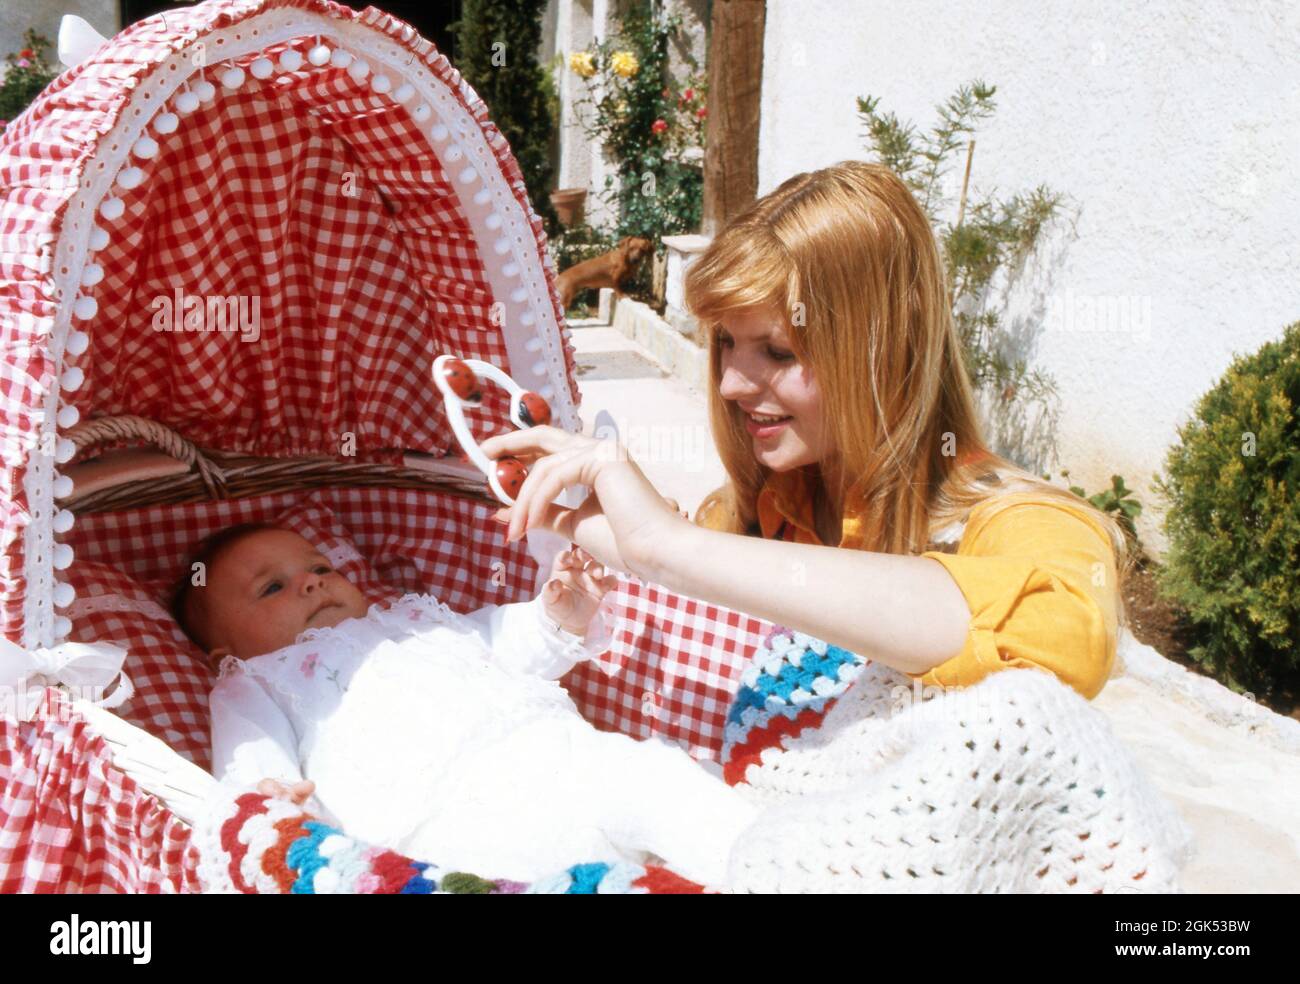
[(1175, 127)]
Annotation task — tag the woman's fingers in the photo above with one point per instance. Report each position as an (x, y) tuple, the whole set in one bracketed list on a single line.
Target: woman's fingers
[(549, 477), (540, 440)]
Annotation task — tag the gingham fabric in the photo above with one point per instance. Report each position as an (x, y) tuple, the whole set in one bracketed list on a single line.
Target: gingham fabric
[(362, 290), (304, 190), (71, 822)]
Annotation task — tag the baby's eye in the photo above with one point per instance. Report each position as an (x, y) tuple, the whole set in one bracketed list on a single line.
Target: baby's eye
[(271, 588), (780, 356), (724, 340), (322, 569)]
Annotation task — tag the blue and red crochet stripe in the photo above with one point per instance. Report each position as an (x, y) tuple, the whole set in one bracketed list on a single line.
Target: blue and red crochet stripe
[(270, 846), (788, 688)]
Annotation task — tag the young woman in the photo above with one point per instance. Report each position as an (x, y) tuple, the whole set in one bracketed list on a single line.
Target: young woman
[(863, 506)]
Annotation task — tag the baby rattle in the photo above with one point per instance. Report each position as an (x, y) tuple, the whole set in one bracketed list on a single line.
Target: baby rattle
[(458, 381)]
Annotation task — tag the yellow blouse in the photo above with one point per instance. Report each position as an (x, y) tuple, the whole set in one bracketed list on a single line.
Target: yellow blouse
[(1039, 577)]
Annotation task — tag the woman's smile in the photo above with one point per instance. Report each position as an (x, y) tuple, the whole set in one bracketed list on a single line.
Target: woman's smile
[(765, 426)]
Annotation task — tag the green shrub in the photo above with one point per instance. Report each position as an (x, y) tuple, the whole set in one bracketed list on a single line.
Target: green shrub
[(1233, 485), (497, 42)]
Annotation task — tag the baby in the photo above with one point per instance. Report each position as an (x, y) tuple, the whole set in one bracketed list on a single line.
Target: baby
[(443, 736)]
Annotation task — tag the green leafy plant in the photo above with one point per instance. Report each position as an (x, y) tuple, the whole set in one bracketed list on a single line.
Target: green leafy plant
[(649, 124), (987, 235), (497, 41), (1118, 500), (26, 74), (1233, 487)]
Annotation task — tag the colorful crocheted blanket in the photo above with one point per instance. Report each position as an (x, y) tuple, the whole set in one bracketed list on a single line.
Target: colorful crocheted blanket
[(256, 845), (793, 681)]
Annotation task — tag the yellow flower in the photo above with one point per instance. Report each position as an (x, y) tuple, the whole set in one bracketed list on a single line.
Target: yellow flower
[(624, 63), (581, 62)]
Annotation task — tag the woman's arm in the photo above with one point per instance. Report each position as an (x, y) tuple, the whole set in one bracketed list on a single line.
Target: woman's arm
[(906, 612)]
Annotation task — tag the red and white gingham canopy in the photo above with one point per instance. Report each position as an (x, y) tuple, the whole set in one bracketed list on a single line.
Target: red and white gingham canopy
[(364, 211), (332, 173)]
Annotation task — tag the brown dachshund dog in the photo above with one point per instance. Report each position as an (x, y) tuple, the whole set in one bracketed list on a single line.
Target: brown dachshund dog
[(610, 269)]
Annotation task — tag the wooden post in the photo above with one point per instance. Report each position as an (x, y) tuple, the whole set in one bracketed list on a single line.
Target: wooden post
[(735, 102)]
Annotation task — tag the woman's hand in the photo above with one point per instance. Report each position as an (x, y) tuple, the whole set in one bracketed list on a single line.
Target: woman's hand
[(620, 524)]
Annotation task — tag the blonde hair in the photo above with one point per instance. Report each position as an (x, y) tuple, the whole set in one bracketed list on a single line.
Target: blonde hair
[(850, 258)]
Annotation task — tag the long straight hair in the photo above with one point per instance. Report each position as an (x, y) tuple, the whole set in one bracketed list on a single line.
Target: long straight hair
[(847, 259)]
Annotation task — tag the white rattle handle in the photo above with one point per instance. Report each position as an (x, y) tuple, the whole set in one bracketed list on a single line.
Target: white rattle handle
[(458, 381)]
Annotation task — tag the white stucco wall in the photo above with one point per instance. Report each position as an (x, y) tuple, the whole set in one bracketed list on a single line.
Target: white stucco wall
[(1174, 126), (16, 16)]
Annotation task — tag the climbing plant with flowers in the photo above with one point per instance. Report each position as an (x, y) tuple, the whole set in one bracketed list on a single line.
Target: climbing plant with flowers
[(647, 122), (26, 74)]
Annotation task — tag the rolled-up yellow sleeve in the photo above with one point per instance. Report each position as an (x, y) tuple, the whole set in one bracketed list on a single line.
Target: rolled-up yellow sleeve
[(1040, 580)]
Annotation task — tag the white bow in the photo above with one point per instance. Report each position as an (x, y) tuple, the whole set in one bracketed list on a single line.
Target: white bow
[(87, 669)]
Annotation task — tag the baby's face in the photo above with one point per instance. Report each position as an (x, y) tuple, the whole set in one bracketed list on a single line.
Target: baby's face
[(268, 588)]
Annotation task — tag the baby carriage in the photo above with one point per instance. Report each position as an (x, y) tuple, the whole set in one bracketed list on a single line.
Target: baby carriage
[(233, 240), (330, 171)]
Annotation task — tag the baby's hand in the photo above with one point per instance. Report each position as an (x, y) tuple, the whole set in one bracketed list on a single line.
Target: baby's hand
[(296, 794), (575, 589)]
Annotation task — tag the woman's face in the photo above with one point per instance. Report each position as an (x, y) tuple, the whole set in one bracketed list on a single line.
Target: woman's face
[(761, 375)]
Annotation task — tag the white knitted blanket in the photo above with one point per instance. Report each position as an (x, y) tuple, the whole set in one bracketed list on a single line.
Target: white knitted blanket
[(1013, 785)]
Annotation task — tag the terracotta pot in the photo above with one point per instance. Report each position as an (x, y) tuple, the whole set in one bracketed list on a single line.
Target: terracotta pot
[(568, 204)]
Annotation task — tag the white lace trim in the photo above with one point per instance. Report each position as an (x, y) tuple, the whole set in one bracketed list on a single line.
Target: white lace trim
[(93, 604)]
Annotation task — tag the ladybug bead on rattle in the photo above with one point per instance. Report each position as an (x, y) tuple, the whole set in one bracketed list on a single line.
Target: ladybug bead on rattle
[(458, 381)]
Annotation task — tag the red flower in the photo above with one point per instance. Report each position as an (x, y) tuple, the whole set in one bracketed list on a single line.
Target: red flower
[(702, 112), (27, 53), (658, 126), (688, 95)]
